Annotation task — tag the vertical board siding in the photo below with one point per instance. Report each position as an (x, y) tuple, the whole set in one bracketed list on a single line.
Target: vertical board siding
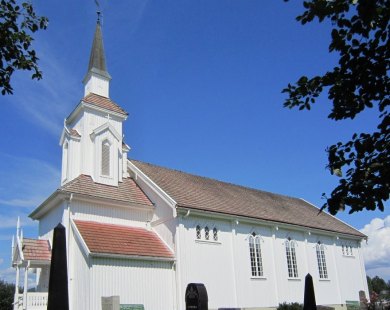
[(49, 221), (163, 212), (136, 282), (208, 262), (225, 268), (108, 214), (79, 274), (248, 287)]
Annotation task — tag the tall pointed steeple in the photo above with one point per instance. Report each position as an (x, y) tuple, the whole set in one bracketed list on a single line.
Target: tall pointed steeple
[(97, 79)]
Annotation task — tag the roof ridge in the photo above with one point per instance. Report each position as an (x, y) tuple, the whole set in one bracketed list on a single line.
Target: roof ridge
[(216, 180)]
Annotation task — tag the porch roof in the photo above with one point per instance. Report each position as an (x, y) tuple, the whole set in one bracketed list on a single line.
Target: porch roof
[(36, 250)]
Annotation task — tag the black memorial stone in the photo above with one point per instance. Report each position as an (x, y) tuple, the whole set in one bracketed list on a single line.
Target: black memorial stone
[(196, 297), (58, 280)]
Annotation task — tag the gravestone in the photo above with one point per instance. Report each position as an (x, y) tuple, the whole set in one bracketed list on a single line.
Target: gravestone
[(110, 303), (58, 280), (309, 299), (196, 297)]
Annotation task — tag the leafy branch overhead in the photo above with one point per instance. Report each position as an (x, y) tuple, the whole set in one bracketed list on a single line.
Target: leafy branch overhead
[(360, 35), (17, 24)]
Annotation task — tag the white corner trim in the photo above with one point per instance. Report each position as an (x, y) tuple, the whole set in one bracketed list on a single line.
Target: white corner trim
[(158, 190), (106, 126), (76, 232)]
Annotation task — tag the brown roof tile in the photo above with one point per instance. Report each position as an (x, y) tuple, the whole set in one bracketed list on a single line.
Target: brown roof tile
[(191, 191), (122, 240), (103, 102), (74, 132), (34, 249), (126, 191)]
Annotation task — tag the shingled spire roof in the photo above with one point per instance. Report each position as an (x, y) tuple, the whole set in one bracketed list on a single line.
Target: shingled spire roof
[(97, 60)]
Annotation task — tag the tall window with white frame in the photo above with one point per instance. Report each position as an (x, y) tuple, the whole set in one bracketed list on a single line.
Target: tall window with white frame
[(106, 158), (291, 258), (255, 255), (323, 271)]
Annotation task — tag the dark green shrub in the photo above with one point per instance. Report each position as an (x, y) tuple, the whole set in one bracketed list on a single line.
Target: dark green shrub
[(7, 292), (290, 306)]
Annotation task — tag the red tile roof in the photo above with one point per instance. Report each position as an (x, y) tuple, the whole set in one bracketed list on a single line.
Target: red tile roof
[(195, 192), (34, 249), (122, 240), (126, 191), (103, 102)]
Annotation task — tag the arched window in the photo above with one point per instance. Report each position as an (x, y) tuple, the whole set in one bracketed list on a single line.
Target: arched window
[(206, 233), (198, 232), (106, 158), (291, 259), (255, 256), (323, 271), (215, 234)]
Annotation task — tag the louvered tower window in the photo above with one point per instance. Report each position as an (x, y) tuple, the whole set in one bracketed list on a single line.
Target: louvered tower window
[(106, 158)]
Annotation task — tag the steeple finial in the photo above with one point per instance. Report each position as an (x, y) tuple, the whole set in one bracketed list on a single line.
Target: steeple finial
[(98, 12), (97, 78)]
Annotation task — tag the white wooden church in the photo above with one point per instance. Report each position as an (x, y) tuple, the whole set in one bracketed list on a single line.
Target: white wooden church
[(143, 232)]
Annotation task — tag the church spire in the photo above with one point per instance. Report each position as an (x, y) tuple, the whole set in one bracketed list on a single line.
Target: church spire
[(97, 78)]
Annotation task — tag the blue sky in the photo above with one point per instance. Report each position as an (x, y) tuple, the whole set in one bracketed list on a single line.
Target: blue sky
[(202, 82)]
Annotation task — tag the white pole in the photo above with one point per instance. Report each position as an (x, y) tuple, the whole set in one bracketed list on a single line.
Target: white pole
[(16, 297), (18, 227), (25, 288)]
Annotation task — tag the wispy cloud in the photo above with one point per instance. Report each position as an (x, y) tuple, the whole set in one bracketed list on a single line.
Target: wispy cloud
[(9, 274), (26, 182), (45, 103), (17, 202), (9, 221)]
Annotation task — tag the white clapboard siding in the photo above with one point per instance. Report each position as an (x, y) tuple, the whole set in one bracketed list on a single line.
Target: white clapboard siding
[(108, 214), (136, 282), (79, 276), (224, 266)]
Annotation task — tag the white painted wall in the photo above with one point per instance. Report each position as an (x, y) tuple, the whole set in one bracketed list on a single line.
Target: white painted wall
[(79, 273), (88, 211), (224, 266), (136, 282), (51, 220), (97, 84)]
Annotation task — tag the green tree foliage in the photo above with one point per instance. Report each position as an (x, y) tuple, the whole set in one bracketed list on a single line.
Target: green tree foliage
[(17, 24), (6, 295), (360, 35), (378, 285)]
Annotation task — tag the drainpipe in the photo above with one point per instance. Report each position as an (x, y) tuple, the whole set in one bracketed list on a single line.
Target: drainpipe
[(68, 249)]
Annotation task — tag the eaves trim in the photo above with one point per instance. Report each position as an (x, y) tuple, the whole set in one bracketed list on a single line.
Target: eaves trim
[(227, 216)]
